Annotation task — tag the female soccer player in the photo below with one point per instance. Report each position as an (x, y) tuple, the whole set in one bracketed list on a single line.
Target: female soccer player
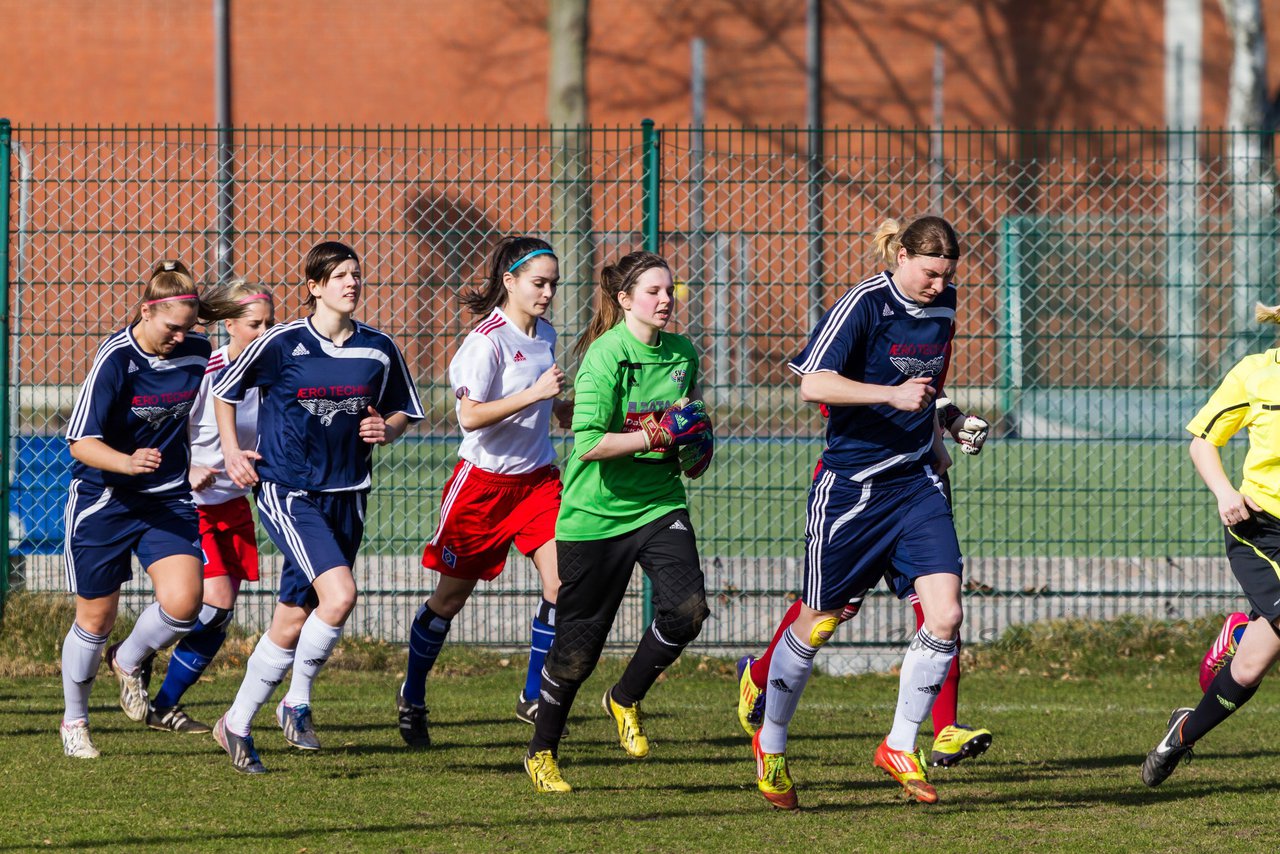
[(876, 507), (624, 503), (324, 382), (227, 536), (129, 494), (1247, 398), (953, 742), (504, 488)]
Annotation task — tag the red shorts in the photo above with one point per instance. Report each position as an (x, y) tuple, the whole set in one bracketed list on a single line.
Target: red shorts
[(483, 513), (228, 540)]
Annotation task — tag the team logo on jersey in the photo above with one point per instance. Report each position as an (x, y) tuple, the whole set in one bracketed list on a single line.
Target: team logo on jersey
[(914, 367), (300, 350), (155, 409), (518, 357), (678, 375), (327, 409)]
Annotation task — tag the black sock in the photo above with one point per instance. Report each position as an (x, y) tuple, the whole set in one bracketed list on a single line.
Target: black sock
[(653, 656), (1224, 696), (554, 702)]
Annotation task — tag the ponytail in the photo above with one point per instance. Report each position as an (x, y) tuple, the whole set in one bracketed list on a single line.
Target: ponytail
[(928, 235), (511, 254), (172, 282), (233, 299), (1267, 313)]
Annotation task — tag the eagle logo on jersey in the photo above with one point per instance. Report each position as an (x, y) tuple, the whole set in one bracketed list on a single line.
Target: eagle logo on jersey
[(156, 415), (914, 367), (327, 409)]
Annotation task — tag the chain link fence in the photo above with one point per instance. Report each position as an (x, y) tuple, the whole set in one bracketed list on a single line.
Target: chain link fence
[(1105, 287)]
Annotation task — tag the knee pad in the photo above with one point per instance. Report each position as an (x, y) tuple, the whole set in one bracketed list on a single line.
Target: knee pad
[(213, 617), (822, 632), (577, 649), (682, 625)]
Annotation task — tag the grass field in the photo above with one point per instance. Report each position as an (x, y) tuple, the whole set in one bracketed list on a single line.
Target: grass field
[(1018, 498), (1061, 776)]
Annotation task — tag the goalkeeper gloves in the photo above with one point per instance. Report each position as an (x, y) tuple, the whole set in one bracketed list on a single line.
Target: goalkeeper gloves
[(969, 431), (696, 457), (682, 424)]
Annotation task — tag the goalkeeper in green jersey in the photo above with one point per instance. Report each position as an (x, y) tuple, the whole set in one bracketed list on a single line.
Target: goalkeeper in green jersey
[(635, 432)]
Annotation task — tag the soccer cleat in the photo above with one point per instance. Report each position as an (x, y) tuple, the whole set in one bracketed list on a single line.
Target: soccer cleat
[(544, 771), (297, 725), (907, 768), (958, 742), (133, 693), (750, 698), (413, 722), (174, 719), (1166, 755), (244, 758), (630, 731), (144, 671), (1223, 649), (76, 742), (527, 711), (773, 779)]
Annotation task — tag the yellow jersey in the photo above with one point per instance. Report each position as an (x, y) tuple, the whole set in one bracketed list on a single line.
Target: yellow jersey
[(1249, 397)]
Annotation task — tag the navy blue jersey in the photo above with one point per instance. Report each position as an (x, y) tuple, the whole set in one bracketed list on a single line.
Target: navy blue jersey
[(313, 395), (132, 399), (874, 334)]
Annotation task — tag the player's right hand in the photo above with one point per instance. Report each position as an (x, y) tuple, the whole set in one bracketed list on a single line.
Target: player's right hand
[(143, 461), (550, 384), (1234, 508), (240, 468), (915, 395)]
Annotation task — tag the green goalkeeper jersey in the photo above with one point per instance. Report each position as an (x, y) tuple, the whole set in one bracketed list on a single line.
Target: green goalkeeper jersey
[(621, 380)]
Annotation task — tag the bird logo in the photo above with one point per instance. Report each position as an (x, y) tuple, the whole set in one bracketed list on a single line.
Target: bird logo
[(328, 409)]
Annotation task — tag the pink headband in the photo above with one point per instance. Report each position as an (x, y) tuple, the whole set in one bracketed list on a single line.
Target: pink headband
[(171, 299), (252, 297)]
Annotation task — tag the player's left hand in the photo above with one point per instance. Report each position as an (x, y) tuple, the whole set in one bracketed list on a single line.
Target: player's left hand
[(695, 459), (373, 429), (969, 431), (201, 477), (563, 411)]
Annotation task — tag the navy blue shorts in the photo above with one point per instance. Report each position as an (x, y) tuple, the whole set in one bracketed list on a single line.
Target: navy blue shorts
[(859, 532), (315, 531), (104, 526)]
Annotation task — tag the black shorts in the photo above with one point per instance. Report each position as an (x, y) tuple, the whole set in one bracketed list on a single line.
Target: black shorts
[(1253, 547)]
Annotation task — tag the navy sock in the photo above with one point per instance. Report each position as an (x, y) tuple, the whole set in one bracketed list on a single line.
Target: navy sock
[(1224, 696), (426, 637), (544, 632), (192, 656)]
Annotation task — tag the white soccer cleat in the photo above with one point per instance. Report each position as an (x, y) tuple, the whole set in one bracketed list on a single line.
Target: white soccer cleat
[(76, 742)]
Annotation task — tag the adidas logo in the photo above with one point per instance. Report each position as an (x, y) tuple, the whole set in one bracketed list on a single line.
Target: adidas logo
[(519, 357), (930, 689), (779, 685), (133, 368), (677, 525), (301, 350), (888, 312)]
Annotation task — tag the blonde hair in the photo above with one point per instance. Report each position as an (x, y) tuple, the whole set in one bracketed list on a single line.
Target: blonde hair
[(172, 281), (232, 299), (1267, 313), (928, 235)]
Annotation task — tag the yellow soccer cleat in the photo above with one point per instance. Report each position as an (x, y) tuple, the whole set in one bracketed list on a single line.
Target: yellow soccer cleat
[(544, 771), (958, 742), (630, 732), (750, 698), (907, 768), (773, 779)]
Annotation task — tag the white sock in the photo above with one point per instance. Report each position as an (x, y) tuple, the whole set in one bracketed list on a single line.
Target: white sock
[(265, 670), (315, 645), (788, 674), (154, 630), (924, 668), (81, 655)]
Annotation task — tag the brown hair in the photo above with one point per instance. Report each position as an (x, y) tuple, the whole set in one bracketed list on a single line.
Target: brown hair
[(320, 263), (616, 278), (172, 280), (507, 257), (928, 235), (230, 299)]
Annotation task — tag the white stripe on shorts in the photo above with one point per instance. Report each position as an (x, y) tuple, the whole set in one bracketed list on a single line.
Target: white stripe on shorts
[(281, 515), (71, 520), (857, 508), (447, 505), (814, 532)]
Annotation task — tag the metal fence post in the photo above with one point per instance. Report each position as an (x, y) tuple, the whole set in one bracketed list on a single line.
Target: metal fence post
[(6, 149), (650, 140)]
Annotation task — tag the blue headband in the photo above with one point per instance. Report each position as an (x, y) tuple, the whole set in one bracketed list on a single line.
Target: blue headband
[(532, 254)]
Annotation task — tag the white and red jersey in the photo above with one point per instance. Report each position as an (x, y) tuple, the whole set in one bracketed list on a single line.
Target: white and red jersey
[(497, 360), (202, 426)]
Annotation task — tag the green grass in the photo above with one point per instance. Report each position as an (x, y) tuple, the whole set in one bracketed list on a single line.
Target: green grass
[(1061, 776), (1019, 498)]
